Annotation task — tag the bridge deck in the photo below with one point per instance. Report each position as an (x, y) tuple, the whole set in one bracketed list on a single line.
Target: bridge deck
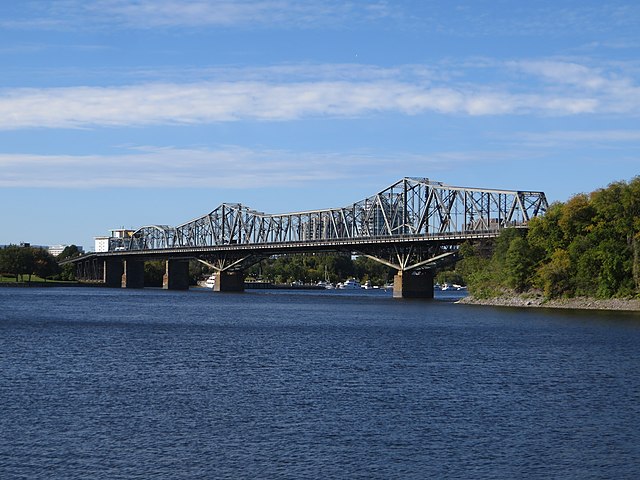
[(352, 245)]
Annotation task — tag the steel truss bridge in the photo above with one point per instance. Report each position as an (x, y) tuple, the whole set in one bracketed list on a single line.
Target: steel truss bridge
[(413, 224)]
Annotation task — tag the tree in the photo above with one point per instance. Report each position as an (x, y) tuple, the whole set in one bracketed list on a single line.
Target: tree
[(69, 251), (587, 265), (589, 245), (631, 203), (556, 275), (545, 233), (154, 273), (519, 265), (44, 265), (197, 270), (20, 261), (476, 269), (366, 268), (615, 270), (67, 272), (576, 217), (16, 260)]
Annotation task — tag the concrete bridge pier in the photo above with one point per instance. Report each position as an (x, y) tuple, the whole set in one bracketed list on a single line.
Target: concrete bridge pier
[(133, 276), (407, 285), (176, 276), (112, 272), (229, 282)]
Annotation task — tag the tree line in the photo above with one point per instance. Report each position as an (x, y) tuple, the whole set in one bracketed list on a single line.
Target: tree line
[(321, 267), (588, 246), (282, 269), (25, 261), (21, 261)]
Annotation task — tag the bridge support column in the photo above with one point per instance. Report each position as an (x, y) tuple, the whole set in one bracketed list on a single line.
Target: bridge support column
[(406, 285), (176, 276), (133, 276), (229, 282), (112, 273), (91, 270)]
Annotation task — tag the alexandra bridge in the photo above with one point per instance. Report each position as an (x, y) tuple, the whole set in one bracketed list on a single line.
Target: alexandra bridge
[(413, 226)]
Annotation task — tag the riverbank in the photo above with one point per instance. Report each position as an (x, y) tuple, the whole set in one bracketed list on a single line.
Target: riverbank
[(50, 283), (271, 286), (578, 303)]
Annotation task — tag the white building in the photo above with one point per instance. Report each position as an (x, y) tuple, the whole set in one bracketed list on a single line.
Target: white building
[(119, 238), (56, 250), (101, 244)]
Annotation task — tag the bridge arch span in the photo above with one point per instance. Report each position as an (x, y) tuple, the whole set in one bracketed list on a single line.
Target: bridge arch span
[(414, 226), (152, 237), (411, 207)]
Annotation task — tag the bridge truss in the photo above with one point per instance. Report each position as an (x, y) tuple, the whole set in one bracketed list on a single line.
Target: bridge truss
[(408, 225)]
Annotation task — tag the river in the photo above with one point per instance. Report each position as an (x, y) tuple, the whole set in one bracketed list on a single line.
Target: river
[(98, 383)]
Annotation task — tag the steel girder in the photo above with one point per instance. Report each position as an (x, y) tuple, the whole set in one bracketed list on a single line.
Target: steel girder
[(407, 257), (409, 207), (153, 237)]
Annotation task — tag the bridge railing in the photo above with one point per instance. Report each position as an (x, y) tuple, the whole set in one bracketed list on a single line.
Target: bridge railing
[(410, 207)]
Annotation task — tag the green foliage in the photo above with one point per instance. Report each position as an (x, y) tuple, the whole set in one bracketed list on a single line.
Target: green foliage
[(556, 275), (67, 273), (69, 251), (315, 268), (545, 234), (478, 269), (366, 268), (576, 217), (44, 264), (588, 246), (197, 270), (153, 273), (19, 261), (450, 276), (304, 268), (518, 264)]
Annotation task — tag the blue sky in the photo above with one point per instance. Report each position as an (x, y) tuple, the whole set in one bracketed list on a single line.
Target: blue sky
[(119, 113)]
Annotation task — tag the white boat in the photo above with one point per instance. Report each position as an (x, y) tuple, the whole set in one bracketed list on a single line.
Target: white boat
[(350, 284), (211, 282), (367, 285)]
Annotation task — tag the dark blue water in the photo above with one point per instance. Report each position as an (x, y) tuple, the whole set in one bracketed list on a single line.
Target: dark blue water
[(98, 383)]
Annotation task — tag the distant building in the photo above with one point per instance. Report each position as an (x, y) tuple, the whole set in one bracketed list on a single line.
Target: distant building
[(101, 244), (24, 245), (119, 239), (56, 250)]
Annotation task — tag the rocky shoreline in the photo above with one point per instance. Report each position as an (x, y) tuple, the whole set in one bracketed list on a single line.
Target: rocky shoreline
[(579, 303)]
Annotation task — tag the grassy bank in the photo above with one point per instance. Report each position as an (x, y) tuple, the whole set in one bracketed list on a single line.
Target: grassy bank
[(23, 280)]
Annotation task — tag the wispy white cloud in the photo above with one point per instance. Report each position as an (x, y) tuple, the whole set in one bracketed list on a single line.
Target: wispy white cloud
[(242, 168), (224, 167), (571, 138), (549, 19), (564, 72), (163, 13), (464, 18), (568, 89), (297, 91), (145, 14)]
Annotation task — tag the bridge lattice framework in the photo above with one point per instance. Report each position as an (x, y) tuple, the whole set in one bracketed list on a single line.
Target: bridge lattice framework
[(413, 226), (409, 225)]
